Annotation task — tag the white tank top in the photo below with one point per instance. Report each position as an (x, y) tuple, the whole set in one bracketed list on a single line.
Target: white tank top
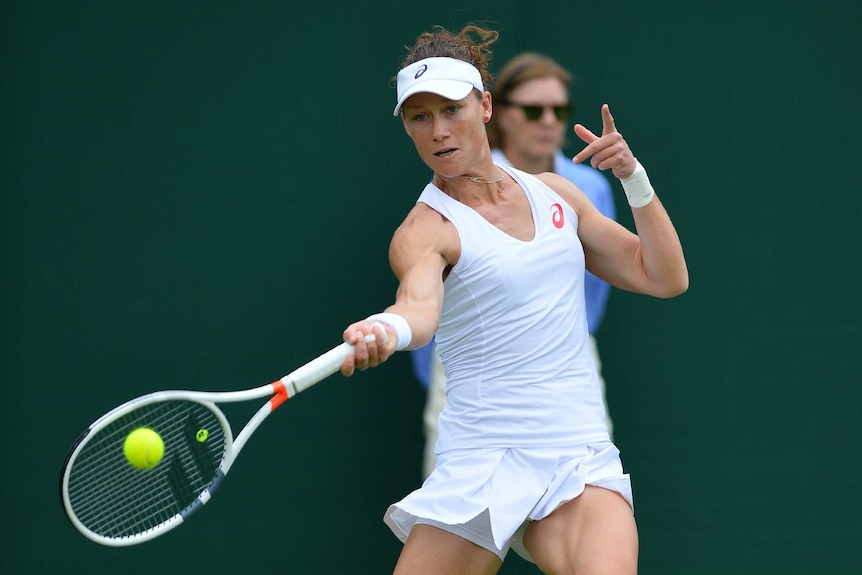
[(513, 335)]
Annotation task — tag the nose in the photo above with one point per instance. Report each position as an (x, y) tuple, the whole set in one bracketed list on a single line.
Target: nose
[(548, 115), (440, 129)]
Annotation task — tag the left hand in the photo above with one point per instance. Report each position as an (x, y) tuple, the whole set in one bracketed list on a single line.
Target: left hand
[(609, 151)]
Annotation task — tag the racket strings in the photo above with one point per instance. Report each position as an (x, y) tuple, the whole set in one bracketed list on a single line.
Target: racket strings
[(112, 498)]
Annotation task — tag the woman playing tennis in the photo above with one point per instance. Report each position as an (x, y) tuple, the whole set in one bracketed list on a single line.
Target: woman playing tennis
[(492, 260)]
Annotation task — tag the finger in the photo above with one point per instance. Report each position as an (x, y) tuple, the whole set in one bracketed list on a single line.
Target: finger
[(347, 367), (608, 126), (587, 136), (602, 157), (359, 341), (369, 343), (383, 333)]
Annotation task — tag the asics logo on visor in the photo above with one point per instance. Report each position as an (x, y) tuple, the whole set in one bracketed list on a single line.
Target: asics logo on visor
[(420, 71)]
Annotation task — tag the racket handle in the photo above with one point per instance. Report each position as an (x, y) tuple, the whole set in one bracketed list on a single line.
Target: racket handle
[(319, 368)]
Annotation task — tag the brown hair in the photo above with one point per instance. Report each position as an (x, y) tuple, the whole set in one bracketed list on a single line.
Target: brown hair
[(470, 45), (520, 69)]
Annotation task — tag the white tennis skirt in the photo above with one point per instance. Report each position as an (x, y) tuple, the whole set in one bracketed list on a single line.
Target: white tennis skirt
[(489, 495)]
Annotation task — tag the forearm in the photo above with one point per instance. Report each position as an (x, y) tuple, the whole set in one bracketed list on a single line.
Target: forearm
[(419, 299), (659, 250), (422, 320)]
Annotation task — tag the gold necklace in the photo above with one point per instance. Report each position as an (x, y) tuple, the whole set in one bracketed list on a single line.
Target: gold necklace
[(478, 181)]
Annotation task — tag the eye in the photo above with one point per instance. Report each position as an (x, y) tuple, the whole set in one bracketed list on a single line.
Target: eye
[(453, 109)]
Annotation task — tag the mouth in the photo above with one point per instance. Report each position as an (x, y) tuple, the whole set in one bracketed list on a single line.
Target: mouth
[(445, 153)]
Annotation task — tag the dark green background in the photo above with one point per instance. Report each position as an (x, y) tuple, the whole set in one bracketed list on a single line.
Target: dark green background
[(201, 194)]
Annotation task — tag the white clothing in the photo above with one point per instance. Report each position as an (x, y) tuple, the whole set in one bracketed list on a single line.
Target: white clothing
[(489, 496), (436, 399), (513, 334), (434, 402), (522, 430)]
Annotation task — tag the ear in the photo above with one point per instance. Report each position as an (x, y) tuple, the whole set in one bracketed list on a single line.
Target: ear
[(487, 106)]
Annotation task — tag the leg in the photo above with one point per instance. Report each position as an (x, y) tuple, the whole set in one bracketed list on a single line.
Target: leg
[(433, 551), (594, 534)]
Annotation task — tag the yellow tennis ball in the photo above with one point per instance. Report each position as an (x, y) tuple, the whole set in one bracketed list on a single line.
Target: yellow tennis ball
[(144, 448)]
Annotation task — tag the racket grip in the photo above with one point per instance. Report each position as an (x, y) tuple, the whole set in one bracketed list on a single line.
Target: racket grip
[(319, 368)]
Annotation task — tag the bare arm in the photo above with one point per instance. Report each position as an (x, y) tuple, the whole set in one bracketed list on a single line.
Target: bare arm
[(650, 261), (419, 254), (421, 249)]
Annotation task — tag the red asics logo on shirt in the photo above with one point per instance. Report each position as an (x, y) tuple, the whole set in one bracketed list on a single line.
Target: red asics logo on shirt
[(557, 216)]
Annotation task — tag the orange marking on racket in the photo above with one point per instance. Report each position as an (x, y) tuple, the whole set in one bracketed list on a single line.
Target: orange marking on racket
[(280, 395)]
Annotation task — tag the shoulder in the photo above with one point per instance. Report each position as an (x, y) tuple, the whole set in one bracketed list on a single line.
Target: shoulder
[(567, 190), (424, 231), (421, 220)]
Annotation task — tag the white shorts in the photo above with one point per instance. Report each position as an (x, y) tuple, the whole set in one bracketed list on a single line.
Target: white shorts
[(488, 496)]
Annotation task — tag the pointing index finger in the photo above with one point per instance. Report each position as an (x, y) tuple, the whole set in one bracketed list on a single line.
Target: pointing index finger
[(588, 137), (608, 126)]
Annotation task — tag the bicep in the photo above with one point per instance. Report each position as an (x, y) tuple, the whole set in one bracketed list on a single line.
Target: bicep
[(610, 250), (420, 280), (418, 262), (416, 255)]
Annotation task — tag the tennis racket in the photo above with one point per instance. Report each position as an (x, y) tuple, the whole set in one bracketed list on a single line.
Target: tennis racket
[(113, 503)]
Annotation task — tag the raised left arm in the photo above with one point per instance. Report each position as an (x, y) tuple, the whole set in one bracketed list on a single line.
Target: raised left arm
[(650, 261)]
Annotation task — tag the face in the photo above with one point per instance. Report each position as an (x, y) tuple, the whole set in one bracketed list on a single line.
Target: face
[(449, 135), (539, 138)]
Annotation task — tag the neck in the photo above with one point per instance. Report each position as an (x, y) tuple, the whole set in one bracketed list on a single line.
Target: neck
[(489, 179)]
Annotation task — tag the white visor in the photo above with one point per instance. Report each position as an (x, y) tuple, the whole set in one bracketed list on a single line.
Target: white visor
[(448, 77)]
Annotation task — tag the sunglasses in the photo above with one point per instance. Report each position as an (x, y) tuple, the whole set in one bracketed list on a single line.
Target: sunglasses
[(534, 111)]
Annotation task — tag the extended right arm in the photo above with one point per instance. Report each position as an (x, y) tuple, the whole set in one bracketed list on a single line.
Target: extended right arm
[(421, 249)]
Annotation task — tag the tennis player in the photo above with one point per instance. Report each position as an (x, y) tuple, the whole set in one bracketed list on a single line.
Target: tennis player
[(492, 260), (527, 130)]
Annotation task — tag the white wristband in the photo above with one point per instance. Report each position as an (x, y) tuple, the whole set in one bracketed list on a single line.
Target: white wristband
[(398, 324), (638, 190)]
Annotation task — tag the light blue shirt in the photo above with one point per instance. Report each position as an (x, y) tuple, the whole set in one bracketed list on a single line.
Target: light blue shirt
[(596, 291)]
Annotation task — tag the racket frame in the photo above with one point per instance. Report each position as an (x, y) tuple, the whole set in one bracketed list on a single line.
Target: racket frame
[(278, 391)]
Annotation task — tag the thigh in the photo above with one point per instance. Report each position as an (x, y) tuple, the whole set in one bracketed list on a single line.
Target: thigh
[(593, 533), (433, 551)]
